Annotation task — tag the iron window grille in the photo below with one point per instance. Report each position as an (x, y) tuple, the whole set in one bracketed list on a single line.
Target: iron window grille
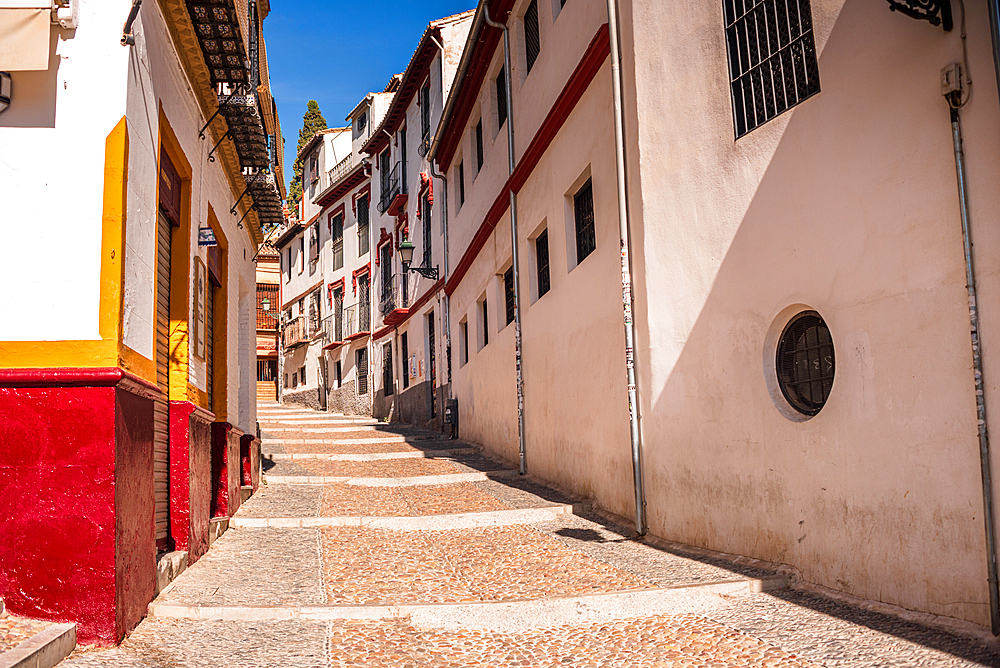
[(338, 241), (501, 83), (406, 360), (362, 122), (364, 216), (479, 146), (461, 184), (583, 206), (425, 205), (772, 58), (425, 112), (805, 363), (387, 370), (508, 295), (361, 362), (364, 297), (338, 315), (542, 261), (532, 43)]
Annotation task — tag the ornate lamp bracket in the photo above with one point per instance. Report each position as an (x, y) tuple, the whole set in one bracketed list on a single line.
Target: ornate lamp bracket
[(936, 12)]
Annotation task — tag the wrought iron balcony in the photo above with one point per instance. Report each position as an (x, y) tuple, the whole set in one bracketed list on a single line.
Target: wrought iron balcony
[(392, 189), (295, 333), (333, 329), (394, 300), (341, 169), (358, 320)]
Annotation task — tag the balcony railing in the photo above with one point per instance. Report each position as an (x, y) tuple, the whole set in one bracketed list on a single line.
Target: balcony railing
[(340, 170), (333, 328), (394, 296), (295, 333), (391, 186), (358, 319)]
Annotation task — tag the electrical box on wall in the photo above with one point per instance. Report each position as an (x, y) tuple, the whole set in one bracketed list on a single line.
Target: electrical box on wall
[(951, 79)]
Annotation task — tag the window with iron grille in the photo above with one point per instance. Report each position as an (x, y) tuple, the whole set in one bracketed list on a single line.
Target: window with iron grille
[(338, 314), (425, 111), (425, 205), (362, 122), (508, 295), (532, 43), (315, 312), (772, 58), (364, 215), (406, 360), (461, 184), (314, 243), (479, 146), (295, 379), (337, 235), (463, 353), (501, 98), (364, 297), (340, 375), (387, 383), (361, 362), (805, 363), (542, 261), (583, 207)]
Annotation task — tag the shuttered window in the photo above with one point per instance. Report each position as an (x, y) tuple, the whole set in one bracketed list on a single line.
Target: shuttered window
[(363, 218), (337, 234), (532, 44), (361, 361), (508, 294), (583, 205), (542, 262)]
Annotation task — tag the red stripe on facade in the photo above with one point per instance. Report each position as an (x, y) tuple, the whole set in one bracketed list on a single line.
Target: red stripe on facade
[(588, 67)]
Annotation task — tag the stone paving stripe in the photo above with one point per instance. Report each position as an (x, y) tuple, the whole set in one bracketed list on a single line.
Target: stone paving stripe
[(444, 479), (370, 457), (43, 650), (429, 523), (505, 616)]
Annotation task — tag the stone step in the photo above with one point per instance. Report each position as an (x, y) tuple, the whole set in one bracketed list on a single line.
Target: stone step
[(443, 479), (475, 520), (370, 457), (45, 649)]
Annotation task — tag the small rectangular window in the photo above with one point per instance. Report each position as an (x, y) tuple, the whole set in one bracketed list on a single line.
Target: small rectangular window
[(583, 207), (532, 43), (361, 362), (406, 360), (295, 379), (486, 324), (461, 184), (363, 217), (772, 59), (302, 254), (501, 82), (425, 111), (337, 235), (463, 352), (340, 375), (479, 146), (387, 383), (542, 262), (508, 295)]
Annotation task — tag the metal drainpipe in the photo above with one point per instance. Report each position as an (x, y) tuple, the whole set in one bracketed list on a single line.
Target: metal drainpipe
[(444, 230), (523, 467), (977, 363), (623, 227)]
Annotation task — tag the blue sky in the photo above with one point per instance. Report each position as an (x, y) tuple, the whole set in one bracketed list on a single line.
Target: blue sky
[(335, 52)]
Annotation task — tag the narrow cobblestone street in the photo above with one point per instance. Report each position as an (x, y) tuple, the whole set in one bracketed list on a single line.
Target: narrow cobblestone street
[(372, 545)]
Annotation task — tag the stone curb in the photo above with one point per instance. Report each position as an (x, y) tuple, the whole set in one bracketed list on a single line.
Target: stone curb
[(43, 650), (444, 479), (493, 518), (500, 616), (372, 457)]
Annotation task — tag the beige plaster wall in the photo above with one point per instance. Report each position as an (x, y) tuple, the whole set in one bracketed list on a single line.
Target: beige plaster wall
[(846, 205)]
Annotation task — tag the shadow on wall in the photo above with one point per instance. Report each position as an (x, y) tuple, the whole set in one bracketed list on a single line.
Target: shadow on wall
[(857, 217), (33, 93)]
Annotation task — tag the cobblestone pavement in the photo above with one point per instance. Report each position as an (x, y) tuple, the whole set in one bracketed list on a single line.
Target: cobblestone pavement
[(15, 630), (578, 590)]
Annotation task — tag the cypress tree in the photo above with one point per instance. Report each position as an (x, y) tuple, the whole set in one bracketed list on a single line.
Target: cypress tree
[(312, 122)]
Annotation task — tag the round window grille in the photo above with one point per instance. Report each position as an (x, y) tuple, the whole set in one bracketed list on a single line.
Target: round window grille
[(805, 363)]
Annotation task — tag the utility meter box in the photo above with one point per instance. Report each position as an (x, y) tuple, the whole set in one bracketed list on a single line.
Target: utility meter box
[(451, 411)]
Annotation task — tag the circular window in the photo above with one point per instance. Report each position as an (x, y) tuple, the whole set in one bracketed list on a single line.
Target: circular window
[(805, 363)]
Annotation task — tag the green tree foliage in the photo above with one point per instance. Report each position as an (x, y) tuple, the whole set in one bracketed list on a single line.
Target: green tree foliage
[(312, 122)]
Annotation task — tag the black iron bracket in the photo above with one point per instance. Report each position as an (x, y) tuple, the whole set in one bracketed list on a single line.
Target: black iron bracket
[(936, 12), (201, 133), (240, 198), (239, 223), (128, 39), (427, 272), (211, 154)]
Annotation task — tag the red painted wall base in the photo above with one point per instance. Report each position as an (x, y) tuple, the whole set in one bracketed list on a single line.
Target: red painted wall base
[(77, 540), (190, 477), (226, 469)]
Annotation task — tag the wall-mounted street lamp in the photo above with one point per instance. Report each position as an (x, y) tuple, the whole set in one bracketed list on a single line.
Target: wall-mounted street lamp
[(265, 304), (4, 91), (406, 256)]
